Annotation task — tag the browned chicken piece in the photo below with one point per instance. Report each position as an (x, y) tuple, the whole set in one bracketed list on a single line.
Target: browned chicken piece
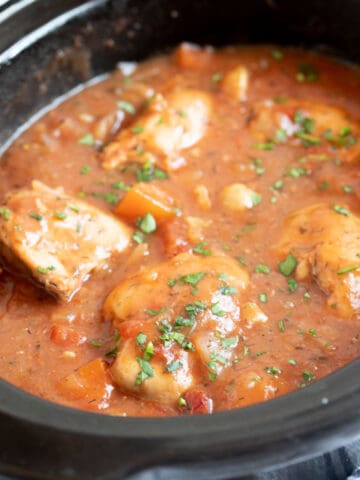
[(168, 126), (325, 240), (56, 239), (179, 320), (323, 128), (132, 99)]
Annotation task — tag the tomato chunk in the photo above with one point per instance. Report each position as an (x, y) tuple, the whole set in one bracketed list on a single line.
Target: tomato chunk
[(65, 336), (198, 402), (174, 236)]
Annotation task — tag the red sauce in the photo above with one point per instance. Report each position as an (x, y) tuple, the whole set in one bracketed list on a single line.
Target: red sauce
[(46, 344)]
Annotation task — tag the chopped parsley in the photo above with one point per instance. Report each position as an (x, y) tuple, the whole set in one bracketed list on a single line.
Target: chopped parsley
[(112, 353), (292, 361), (277, 55), (306, 73), (216, 309), (126, 106), (229, 342), (262, 268), (347, 269), (45, 270), (287, 266), (184, 322), (324, 185), (95, 343), (263, 297), (341, 210), (87, 139), (173, 366), (138, 237), (147, 223), (182, 402), (153, 313), (137, 129), (281, 325), (273, 371), (292, 285), (145, 372), (148, 172), (111, 197), (341, 140), (193, 309), (5, 213), (120, 186), (73, 208), (36, 216), (226, 290), (193, 278), (265, 146), (256, 199), (307, 378), (241, 260), (297, 172), (85, 169), (141, 339), (347, 189), (149, 351), (217, 77), (307, 139), (278, 185), (280, 135), (60, 215), (199, 248)]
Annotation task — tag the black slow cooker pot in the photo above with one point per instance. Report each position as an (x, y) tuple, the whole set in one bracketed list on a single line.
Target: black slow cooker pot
[(47, 47)]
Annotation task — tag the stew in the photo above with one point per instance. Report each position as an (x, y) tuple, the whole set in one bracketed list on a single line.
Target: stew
[(183, 237)]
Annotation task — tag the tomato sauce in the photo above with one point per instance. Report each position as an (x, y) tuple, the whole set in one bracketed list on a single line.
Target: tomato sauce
[(63, 351)]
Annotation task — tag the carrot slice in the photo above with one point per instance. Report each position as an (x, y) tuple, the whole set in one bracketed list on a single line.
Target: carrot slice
[(145, 198), (89, 382)]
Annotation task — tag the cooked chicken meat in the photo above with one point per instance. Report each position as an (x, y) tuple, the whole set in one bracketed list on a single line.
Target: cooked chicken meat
[(56, 239), (168, 126), (325, 240), (313, 124), (169, 338)]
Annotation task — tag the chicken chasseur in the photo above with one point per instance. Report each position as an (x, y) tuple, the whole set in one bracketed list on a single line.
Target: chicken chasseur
[(184, 236)]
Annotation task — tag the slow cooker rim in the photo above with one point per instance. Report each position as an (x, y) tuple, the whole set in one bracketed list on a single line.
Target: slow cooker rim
[(289, 418)]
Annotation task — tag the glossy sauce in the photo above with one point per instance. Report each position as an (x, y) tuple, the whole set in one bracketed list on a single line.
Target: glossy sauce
[(303, 338)]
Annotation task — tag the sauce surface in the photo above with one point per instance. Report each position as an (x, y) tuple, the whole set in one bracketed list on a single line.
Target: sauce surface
[(259, 205)]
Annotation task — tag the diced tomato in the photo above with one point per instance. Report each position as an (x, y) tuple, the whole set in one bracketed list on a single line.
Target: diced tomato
[(198, 402), (145, 198), (131, 328), (65, 336), (174, 237)]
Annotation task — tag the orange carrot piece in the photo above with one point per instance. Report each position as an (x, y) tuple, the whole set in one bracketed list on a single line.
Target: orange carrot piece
[(145, 198), (89, 382)]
